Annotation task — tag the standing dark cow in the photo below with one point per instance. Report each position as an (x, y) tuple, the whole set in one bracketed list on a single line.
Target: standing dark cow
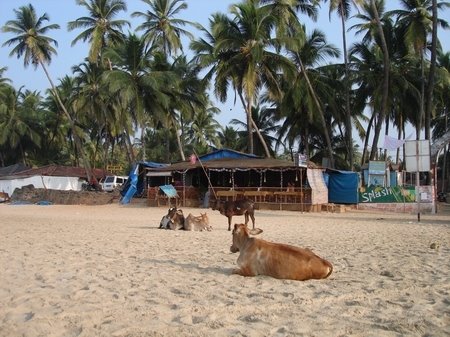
[(237, 207)]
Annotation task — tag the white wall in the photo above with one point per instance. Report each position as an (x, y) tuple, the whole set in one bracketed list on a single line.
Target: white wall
[(54, 183)]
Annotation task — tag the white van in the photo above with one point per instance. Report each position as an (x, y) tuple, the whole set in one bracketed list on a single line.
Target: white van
[(112, 182)]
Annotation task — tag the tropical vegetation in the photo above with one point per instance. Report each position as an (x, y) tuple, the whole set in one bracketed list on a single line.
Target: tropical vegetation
[(149, 94)]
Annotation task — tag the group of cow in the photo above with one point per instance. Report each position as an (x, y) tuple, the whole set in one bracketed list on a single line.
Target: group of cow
[(175, 220), (257, 256)]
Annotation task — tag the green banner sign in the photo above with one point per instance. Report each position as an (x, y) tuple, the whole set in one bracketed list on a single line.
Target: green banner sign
[(380, 194)]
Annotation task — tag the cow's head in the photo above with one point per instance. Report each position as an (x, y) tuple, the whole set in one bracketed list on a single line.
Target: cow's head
[(171, 212), (240, 234), (205, 218)]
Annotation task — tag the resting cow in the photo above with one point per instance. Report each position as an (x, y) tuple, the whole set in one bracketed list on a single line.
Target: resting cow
[(174, 219), (260, 257), (237, 207), (197, 223)]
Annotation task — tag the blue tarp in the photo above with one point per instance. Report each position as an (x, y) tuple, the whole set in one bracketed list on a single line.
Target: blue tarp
[(169, 190), (136, 179), (130, 187), (226, 153), (342, 186)]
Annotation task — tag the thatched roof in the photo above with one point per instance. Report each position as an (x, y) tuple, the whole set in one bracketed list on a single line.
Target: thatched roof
[(60, 171), (232, 163)]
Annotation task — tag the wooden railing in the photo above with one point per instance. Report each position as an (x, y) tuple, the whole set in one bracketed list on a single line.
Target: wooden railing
[(187, 194), (265, 194)]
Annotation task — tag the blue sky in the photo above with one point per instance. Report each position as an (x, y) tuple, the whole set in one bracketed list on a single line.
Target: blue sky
[(63, 11)]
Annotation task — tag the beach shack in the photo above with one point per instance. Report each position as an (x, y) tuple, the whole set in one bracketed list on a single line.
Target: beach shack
[(228, 175), (52, 177)]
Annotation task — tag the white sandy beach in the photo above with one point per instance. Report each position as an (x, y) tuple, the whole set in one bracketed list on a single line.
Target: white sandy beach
[(109, 271)]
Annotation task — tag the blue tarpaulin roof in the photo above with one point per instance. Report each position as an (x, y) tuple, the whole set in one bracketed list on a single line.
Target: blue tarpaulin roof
[(169, 190), (226, 153), (152, 164)]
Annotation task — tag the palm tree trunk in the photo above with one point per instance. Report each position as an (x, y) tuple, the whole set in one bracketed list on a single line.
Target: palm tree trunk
[(143, 143), (422, 94), (248, 110), (180, 145), (386, 71), (429, 95), (399, 136), (307, 148), (386, 133), (366, 139), (258, 133), (261, 139), (130, 152), (78, 144), (348, 115), (321, 113)]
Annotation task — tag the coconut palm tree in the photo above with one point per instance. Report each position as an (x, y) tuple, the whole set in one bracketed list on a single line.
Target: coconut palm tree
[(342, 8), (247, 58), (94, 105), (161, 26), (373, 22), (101, 30), (188, 98), (136, 85), (308, 100), (416, 20), (202, 132), (441, 124), (37, 49), (229, 138), (19, 121), (267, 126), (431, 74), (4, 85)]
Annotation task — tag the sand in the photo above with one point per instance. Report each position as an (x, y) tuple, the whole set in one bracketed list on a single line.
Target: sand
[(109, 271)]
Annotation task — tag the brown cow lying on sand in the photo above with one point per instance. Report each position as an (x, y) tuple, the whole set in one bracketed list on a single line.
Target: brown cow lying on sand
[(259, 257), (237, 207), (197, 223), (174, 219)]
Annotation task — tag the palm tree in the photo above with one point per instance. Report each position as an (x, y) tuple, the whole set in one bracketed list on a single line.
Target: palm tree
[(188, 98), (431, 74), (4, 85), (229, 138), (247, 57), (139, 90), (417, 20), (101, 30), (308, 100), (441, 124), (36, 48), (342, 8), (266, 124), (94, 106), (202, 132), (161, 26), (373, 23), (18, 121)]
